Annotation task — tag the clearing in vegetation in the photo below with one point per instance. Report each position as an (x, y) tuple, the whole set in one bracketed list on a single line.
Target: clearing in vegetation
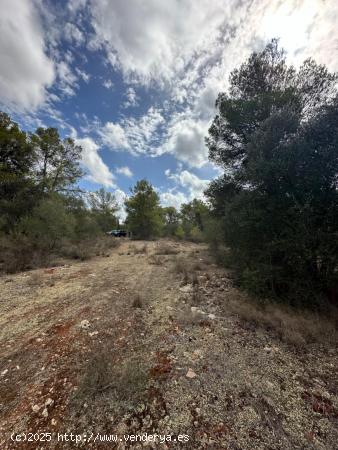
[(156, 339)]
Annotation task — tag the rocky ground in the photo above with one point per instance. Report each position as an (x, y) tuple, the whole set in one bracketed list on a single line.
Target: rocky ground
[(142, 341)]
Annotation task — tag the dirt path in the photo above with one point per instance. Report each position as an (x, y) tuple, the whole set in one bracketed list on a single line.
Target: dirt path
[(141, 342)]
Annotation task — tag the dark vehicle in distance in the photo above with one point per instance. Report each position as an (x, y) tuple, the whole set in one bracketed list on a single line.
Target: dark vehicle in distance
[(118, 233)]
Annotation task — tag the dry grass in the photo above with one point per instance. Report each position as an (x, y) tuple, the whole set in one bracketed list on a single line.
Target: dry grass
[(86, 249), (137, 250), (186, 270), (137, 301), (294, 327), (157, 260), (187, 318), (18, 254), (164, 248), (180, 265), (123, 384)]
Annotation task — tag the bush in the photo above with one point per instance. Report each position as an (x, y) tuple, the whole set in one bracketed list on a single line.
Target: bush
[(124, 383), (179, 233), (165, 248)]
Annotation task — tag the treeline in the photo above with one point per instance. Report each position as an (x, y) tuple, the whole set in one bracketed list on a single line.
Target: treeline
[(44, 214), (147, 219), (272, 216), (42, 211), (275, 136)]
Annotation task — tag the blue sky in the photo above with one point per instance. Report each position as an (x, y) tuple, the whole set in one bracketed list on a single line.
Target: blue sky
[(135, 82)]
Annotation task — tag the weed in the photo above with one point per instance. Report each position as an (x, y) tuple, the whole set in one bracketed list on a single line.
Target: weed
[(297, 328), (136, 250), (164, 248), (137, 301), (123, 384), (156, 260)]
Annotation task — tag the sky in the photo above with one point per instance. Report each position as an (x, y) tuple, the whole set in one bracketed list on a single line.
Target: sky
[(134, 82)]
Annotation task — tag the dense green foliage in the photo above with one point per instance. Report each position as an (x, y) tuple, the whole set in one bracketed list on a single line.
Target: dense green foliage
[(104, 207), (42, 211), (144, 215), (276, 138)]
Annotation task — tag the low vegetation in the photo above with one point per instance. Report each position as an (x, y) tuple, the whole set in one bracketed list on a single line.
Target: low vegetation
[(123, 385)]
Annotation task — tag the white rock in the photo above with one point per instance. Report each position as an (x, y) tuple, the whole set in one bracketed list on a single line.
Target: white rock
[(84, 324), (212, 316), (187, 288), (49, 402), (45, 413), (35, 408), (53, 422), (3, 373), (93, 333), (190, 373)]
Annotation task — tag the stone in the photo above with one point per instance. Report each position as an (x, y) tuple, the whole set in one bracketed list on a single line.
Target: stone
[(35, 408), (212, 316), (3, 373), (190, 373), (53, 422), (187, 288), (49, 402), (44, 413), (84, 324)]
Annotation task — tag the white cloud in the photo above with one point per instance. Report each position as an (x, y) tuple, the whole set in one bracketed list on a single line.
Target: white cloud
[(173, 198), (75, 5), (132, 98), (137, 136), (98, 171), (67, 80), (153, 40), (124, 171), (120, 197), (25, 70), (82, 74), (191, 182), (73, 34), (108, 84), (190, 46), (185, 139), (114, 136)]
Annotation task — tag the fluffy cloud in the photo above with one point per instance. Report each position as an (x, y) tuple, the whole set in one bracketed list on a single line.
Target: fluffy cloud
[(173, 198), (132, 98), (192, 185), (185, 139), (25, 70), (124, 171), (191, 182), (120, 197), (73, 34), (108, 84), (98, 171), (152, 40), (67, 80), (190, 46), (114, 136), (137, 136)]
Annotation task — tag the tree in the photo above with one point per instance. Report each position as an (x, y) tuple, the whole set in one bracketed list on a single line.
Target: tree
[(17, 192), (57, 160), (171, 219), (104, 207), (144, 217), (193, 216), (275, 136)]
